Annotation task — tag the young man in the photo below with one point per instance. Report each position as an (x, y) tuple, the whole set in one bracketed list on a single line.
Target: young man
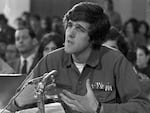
[(115, 88)]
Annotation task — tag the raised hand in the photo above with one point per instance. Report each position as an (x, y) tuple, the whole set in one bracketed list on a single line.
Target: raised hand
[(84, 104)]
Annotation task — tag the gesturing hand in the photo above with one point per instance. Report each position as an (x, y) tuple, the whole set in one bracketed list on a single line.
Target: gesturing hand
[(85, 104)]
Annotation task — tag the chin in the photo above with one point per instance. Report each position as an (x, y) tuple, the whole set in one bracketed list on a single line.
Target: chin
[(69, 50)]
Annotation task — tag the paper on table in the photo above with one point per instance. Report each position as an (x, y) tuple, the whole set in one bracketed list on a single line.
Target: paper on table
[(49, 108)]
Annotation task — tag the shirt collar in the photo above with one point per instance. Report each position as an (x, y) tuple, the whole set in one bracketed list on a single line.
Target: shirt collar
[(110, 47), (92, 61), (29, 58)]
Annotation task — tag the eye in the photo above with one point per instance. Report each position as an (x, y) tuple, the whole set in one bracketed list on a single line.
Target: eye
[(80, 28), (53, 48), (46, 49)]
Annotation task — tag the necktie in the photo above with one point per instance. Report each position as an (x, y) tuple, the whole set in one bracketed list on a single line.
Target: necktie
[(24, 67)]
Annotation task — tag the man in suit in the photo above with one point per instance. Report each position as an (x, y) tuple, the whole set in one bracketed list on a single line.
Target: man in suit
[(27, 45)]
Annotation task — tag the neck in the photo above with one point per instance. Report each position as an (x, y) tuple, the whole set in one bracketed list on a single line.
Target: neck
[(27, 54), (82, 57)]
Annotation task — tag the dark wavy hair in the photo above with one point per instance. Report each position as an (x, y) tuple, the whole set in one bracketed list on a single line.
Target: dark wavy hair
[(52, 36), (95, 16)]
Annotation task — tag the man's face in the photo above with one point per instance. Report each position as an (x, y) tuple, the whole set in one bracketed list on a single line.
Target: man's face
[(23, 40), (76, 37), (34, 23), (142, 58)]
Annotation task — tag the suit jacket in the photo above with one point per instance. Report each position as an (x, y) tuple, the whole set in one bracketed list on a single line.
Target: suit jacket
[(17, 63)]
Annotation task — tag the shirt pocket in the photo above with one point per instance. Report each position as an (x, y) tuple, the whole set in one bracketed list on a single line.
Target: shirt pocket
[(105, 96)]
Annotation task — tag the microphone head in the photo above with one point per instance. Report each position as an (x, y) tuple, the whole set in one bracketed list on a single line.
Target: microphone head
[(51, 74), (43, 78)]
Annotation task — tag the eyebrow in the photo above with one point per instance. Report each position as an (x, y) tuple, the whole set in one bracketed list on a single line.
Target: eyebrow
[(82, 27), (79, 25)]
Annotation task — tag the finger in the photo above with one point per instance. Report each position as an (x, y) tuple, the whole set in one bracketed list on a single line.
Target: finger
[(68, 101), (65, 98), (88, 86), (50, 87), (71, 95)]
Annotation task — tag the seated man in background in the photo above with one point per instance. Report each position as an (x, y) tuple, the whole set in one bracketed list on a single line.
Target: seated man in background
[(113, 86), (142, 62), (142, 68), (27, 46)]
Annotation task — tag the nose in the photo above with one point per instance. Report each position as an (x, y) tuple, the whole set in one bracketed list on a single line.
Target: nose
[(71, 32), (20, 40)]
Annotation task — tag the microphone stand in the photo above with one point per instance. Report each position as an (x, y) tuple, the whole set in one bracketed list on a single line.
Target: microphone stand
[(40, 95)]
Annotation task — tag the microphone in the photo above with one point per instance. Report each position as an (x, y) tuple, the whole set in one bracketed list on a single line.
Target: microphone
[(32, 81), (42, 78)]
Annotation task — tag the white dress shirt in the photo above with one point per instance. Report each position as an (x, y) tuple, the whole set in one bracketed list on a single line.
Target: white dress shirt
[(29, 60)]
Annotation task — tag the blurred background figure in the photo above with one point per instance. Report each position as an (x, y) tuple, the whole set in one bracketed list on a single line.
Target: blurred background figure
[(136, 33), (144, 31), (50, 42), (114, 17), (142, 67), (57, 25), (7, 30), (3, 45), (25, 16), (46, 24), (130, 29), (35, 24), (5, 68), (11, 53), (116, 40), (142, 62), (143, 28), (20, 23)]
